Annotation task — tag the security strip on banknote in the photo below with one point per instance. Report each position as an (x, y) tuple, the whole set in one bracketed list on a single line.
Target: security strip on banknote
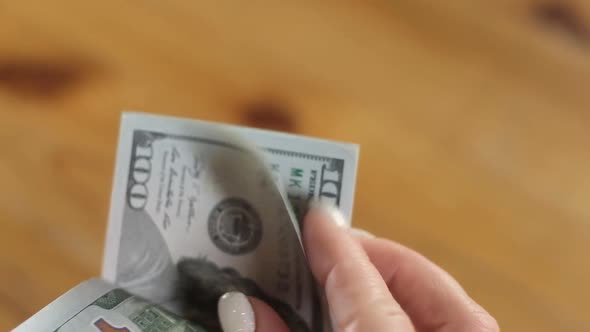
[(199, 209)]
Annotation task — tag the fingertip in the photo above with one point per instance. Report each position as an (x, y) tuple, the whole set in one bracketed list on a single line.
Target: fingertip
[(236, 313), (323, 234), (323, 223), (327, 211), (361, 233), (240, 313)]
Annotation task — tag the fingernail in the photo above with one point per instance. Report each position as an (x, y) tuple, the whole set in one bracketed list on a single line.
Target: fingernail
[(331, 211), (362, 233), (235, 313)]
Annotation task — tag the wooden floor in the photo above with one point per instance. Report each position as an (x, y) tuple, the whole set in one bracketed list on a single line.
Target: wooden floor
[(473, 118)]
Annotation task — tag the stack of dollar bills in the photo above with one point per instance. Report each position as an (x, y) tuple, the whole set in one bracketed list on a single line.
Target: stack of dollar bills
[(199, 209)]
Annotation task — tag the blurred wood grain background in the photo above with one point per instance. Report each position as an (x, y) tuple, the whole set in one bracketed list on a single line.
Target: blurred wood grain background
[(472, 116)]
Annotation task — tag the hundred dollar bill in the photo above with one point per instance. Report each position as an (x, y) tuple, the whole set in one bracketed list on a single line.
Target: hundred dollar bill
[(96, 306), (195, 214)]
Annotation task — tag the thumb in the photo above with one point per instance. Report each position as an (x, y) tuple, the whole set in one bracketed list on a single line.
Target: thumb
[(239, 313), (358, 297)]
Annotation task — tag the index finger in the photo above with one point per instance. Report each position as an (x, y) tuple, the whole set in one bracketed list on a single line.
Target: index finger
[(430, 296)]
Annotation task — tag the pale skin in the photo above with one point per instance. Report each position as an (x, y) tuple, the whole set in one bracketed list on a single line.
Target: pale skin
[(378, 285)]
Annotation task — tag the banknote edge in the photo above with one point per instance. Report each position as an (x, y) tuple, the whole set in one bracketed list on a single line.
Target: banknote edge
[(112, 229), (87, 290), (350, 145)]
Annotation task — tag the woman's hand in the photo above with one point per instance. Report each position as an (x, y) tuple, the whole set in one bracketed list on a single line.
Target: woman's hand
[(371, 284)]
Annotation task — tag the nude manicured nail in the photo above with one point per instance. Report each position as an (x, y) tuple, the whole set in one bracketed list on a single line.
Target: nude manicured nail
[(236, 313), (331, 211), (362, 233)]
